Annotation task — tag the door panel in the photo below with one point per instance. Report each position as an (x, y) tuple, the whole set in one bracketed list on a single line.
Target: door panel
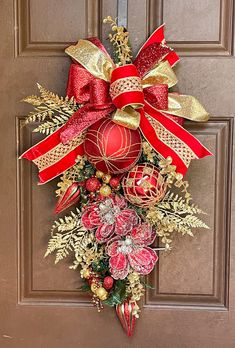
[(193, 302)]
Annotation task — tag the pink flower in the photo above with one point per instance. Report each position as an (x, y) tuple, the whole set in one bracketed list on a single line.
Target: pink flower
[(111, 216), (132, 252)]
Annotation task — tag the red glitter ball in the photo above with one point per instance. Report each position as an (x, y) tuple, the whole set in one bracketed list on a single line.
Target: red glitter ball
[(108, 282), (114, 182), (92, 184), (112, 148)]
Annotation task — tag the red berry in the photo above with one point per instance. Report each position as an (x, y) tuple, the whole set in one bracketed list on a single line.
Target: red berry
[(114, 182), (108, 283), (92, 184), (93, 279)]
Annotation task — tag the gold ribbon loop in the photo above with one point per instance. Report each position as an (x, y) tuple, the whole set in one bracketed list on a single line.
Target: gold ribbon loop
[(161, 74), (186, 106), (92, 58), (128, 117)]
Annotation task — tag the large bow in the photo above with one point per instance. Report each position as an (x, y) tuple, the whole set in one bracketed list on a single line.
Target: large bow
[(135, 95)]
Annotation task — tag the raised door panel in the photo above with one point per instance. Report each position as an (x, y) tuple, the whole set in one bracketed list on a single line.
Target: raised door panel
[(195, 28), (46, 28), (196, 273)]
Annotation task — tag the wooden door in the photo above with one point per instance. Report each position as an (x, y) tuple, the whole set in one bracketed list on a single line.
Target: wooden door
[(193, 304)]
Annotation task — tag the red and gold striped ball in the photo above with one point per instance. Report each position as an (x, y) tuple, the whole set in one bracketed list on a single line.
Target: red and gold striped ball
[(112, 148), (143, 185)]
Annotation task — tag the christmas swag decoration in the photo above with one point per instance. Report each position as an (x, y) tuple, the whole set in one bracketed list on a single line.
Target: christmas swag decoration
[(118, 144)]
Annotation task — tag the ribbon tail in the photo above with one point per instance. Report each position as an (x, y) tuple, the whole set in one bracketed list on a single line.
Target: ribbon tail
[(168, 138), (158, 36), (52, 157)]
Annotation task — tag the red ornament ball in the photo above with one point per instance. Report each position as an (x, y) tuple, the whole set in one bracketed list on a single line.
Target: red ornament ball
[(108, 283), (112, 148), (144, 185), (114, 182), (93, 184)]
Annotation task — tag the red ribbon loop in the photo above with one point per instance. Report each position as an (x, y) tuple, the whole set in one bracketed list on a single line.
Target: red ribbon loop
[(157, 96), (78, 85), (149, 57), (99, 94), (91, 90)]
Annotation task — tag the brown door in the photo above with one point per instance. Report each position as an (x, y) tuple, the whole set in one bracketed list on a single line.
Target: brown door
[(193, 304)]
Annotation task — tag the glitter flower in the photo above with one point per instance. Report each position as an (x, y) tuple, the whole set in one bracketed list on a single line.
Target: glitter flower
[(110, 217), (132, 252)]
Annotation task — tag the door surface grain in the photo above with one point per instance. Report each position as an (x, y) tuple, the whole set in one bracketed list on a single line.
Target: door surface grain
[(193, 303)]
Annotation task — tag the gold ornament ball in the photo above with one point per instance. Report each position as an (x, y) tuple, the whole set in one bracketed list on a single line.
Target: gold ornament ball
[(105, 190), (99, 174), (102, 293), (106, 178), (94, 287)]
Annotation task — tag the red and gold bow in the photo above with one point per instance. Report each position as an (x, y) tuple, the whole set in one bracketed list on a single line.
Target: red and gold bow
[(134, 95)]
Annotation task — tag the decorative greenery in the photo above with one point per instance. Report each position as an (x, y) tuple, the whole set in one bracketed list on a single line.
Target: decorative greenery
[(101, 266), (80, 171), (118, 293)]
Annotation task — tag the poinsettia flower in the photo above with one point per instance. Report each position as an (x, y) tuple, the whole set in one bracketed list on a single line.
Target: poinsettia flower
[(132, 251), (110, 216)]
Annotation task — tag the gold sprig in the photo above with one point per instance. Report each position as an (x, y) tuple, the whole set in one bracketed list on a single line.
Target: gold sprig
[(148, 151), (173, 178), (120, 41), (51, 108), (62, 185), (71, 175), (74, 173), (174, 214), (135, 288), (69, 235)]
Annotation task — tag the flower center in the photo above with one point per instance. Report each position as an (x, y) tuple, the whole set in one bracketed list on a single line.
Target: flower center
[(108, 212), (126, 246)]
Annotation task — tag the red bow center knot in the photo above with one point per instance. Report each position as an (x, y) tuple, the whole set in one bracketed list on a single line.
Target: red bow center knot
[(126, 87), (126, 90)]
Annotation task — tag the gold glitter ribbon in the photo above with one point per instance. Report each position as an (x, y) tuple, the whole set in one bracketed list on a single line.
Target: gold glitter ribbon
[(101, 66), (161, 74), (186, 106), (128, 117), (92, 58)]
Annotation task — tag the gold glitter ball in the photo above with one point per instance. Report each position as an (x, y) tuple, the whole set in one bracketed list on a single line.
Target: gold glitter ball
[(105, 190), (102, 293)]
